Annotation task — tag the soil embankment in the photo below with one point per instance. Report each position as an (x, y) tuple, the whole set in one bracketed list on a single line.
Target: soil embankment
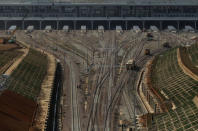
[(45, 94), (187, 66), (148, 83), (17, 62)]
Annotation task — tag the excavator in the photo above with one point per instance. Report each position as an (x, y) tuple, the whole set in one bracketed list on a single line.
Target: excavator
[(8, 39), (12, 38)]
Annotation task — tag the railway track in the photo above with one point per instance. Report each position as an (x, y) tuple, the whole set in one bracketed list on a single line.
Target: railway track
[(141, 60), (109, 60), (101, 78), (76, 122), (119, 88), (64, 47), (103, 75)]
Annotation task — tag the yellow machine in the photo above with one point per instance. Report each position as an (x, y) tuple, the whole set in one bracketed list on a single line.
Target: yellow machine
[(130, 65), (12, 38)]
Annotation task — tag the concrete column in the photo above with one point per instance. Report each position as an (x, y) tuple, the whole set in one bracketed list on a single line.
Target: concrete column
[(92, 23), (5, 25), (126, 25), (57, 25), (109, 24), (23, 25), (40, 24), (161, 27), (143, 25), (178, 23), (74, 25)]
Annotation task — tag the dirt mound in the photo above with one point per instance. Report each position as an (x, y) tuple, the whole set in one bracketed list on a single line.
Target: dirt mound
[(16, 112)]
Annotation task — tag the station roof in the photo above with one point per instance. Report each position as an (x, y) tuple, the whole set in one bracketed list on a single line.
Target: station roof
[(121, 2)]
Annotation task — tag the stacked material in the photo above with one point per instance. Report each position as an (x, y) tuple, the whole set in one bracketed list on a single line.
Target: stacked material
[(189, 28), (118, 29), (66, 28), (171, 28), (12, 29), (136, 29), (154, 28), (48, 28), (83, 28), (30, 29), (100, 28)]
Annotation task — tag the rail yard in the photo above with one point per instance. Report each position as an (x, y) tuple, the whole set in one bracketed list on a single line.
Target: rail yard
[(98, 65), (99, 92)]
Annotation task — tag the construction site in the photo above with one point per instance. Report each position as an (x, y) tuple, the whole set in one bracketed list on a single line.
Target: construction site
[(98, 65)]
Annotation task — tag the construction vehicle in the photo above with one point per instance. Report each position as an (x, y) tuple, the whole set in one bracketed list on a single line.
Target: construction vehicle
[(8, 39), (149, 36), (12, 38), (130, 65), (147, 52)]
